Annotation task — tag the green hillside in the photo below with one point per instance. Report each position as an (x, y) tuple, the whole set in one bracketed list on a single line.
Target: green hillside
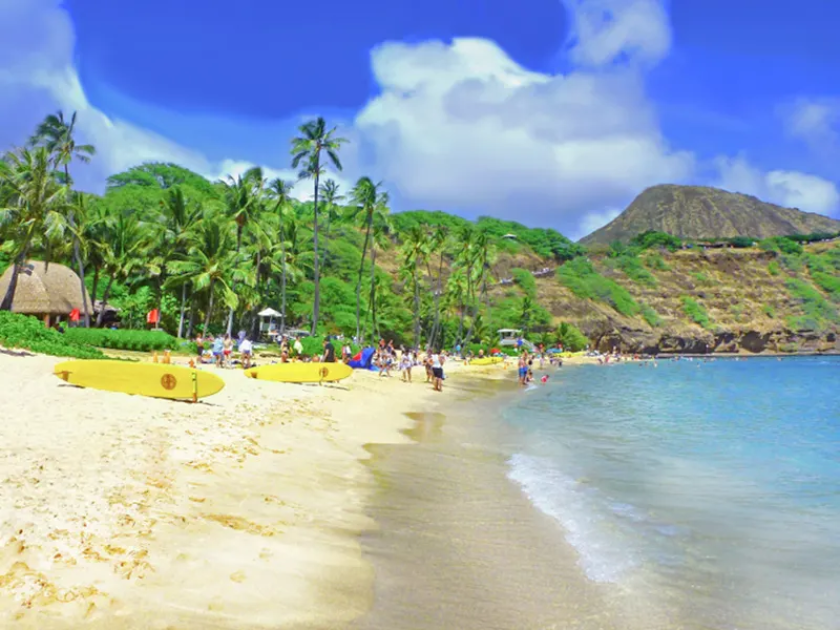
[(211, 255), (698, 212)]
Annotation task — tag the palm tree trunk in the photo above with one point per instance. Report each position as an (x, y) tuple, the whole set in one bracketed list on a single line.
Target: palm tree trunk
[(283, 286), (373, 289), (209, 308), (191, 325), (359, 281), (416, 308), (77, 255), (95, 286), (105, 295), (183, 310), (316, 304)]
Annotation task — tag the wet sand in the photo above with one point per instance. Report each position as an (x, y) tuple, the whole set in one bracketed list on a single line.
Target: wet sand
[(459, 546)]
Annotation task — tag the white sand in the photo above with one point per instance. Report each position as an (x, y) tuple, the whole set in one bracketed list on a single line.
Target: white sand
[(240, 512)]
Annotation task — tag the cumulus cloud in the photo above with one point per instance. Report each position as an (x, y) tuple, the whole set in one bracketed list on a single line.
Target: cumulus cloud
[(816, 121), (786, 188), (463, 125)]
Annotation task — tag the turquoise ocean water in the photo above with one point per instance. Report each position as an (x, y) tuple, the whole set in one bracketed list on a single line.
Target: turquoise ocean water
[(708, 489)]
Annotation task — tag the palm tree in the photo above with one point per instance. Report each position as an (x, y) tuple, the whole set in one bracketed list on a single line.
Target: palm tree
[(379, 236), (368, 200), (211, 262), (415, 253), (280, 192), (34, 204), (307, 148), (437, 243), (180, 216), (57, 136), (331, 197), (480, 253), (243, 197), (127, 238)]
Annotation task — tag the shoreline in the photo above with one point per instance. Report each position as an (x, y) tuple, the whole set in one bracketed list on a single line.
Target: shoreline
[(244, 511), (459, 543)]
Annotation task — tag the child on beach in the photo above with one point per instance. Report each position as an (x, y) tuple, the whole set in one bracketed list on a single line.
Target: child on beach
[(218, 351), (406, 365)]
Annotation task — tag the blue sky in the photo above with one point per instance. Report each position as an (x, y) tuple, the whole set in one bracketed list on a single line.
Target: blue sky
[(554, 113)]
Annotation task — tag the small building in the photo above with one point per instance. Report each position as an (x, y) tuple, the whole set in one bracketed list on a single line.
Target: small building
[(48, 292)]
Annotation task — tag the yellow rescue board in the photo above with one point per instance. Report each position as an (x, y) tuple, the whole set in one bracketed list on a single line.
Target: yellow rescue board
[(144, 379), (487, 361), (301, 372)]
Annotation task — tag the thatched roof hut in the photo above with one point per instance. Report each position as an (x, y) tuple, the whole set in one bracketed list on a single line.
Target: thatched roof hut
[(44, 291)]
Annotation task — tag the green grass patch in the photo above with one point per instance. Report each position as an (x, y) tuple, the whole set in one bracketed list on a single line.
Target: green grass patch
[(773, 268), (526, 281), (656, 262), (696, 312), (817, 310), (580, 277), (28, 333), (828, 283), (700, 278), (768, 310), (651, 316), (634, 268)]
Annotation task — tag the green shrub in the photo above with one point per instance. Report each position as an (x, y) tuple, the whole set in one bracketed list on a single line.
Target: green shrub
[(817, 311), (571, 338), (655, 261), (651, 316), (525, 279), (794, 262), (137, 340), (773, 268), (828, 283), (652, 238), (696, 312), (781, 244), (29, 333), (580, 277), (633, 267), (700, 278)]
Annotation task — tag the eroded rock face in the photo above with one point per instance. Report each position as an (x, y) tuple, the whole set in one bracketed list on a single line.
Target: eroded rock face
[(608, 336)]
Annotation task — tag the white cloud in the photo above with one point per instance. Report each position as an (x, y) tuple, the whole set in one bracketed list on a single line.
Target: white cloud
[(606, 31), (816, 121), (463, 125), (791, 189), (594, 221)]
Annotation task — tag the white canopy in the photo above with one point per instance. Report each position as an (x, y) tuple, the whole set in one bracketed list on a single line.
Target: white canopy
[(269, 312)]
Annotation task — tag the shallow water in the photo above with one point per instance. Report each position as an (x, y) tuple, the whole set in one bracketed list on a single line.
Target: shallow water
[(710, 490)]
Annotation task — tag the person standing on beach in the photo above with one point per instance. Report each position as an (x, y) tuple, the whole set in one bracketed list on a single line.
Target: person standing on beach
[(246, 349), (437, 372), (329, 351)]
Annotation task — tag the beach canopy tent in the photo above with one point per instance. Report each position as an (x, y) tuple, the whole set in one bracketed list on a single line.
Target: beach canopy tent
[(48, 292), (267, 327)]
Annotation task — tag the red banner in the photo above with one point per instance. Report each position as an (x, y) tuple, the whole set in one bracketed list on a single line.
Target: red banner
[(75, 315), (153, 316)]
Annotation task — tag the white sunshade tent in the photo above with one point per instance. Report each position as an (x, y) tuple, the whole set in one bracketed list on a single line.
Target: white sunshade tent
[(269, 313)]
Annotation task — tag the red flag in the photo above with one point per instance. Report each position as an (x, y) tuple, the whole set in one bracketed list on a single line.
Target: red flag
[(153, 316), (75, 315)]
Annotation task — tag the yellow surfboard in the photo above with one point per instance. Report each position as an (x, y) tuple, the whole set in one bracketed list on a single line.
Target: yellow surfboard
[(487, 361), (301, 372), (144, 379)]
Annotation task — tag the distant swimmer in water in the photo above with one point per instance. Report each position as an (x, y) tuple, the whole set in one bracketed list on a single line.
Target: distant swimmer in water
[(544, 379)]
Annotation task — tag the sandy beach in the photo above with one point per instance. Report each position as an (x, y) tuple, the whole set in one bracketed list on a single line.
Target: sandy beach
[(242, 511)]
